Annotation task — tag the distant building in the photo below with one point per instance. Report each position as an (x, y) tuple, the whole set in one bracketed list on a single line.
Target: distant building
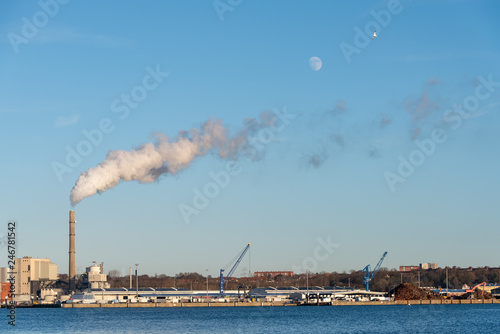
[(426, 266), (422, 266), (4, 285), (408, 268), (495, 292), (4, 275), (31, 275), (51, 294), (272, 274), (94, 277), (5, 291)]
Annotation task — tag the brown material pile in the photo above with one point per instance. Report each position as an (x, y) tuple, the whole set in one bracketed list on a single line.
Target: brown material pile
[(408, 291), (477, 294)]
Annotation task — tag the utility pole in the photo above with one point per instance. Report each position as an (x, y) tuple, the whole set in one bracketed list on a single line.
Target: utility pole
[(349, 281), (419, 279), (446, 281), (136, 282), (307, 284), (130, 277), (207, 285)]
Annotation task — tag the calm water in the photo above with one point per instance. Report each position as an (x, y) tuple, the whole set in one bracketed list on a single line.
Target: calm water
[(311, 319)]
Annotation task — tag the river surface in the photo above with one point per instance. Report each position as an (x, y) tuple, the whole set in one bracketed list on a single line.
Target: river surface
[(307, 319)]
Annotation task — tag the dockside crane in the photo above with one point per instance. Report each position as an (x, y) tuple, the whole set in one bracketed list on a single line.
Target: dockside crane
[(471, 290), (369, 274), (240, 257)]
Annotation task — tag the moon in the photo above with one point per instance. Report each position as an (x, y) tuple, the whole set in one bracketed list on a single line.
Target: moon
[(315, 63)]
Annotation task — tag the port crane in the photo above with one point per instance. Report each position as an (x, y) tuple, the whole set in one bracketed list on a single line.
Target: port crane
[(240, 257), (369, 274)]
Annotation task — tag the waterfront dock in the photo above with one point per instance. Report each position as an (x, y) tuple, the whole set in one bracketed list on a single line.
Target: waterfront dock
[(274, 304)]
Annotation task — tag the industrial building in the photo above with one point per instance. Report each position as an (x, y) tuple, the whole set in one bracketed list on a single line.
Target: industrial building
[(4, 283), (421, 266), (30, 275), (5, 291), (158, 295), (495, 292), (94, 277), (272, 274), (405, 269), (426, 266), (270, 294), (4, 275), (320, 294)]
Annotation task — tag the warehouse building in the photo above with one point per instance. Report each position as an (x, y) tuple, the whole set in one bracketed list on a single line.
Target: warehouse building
[(158, 295)]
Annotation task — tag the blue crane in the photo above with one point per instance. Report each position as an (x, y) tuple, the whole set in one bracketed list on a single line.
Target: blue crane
[(370, 274), (240, 257)]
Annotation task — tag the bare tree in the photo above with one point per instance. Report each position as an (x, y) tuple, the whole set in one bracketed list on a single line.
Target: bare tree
[(114, 273)]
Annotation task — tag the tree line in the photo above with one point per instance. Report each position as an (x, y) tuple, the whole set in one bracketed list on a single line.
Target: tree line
[(384, 280)]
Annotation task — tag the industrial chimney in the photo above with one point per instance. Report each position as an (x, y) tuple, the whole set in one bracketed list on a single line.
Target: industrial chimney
[(71, 251)]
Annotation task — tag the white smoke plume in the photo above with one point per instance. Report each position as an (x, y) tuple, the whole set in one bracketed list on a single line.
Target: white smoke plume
[(152, 160)]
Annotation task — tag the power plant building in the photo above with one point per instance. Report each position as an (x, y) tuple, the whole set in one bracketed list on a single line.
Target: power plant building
[(32, 274), (94, 277)]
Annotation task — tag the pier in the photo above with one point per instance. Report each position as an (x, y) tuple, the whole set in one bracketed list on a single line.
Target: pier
[(274, 304)]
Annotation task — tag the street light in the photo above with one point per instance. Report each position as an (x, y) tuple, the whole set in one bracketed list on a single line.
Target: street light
[(136, 282), (307, 284)]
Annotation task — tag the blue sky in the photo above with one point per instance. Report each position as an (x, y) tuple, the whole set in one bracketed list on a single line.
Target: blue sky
[(331, 176)]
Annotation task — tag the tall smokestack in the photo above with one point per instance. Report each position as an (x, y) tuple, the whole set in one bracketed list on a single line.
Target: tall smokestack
[(72, 251)]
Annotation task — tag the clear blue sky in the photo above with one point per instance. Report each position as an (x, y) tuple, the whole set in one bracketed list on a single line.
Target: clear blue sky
[(324, 176)]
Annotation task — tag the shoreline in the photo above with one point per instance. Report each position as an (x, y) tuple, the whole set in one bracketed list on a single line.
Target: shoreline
[(268, 304), (281, 304)]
